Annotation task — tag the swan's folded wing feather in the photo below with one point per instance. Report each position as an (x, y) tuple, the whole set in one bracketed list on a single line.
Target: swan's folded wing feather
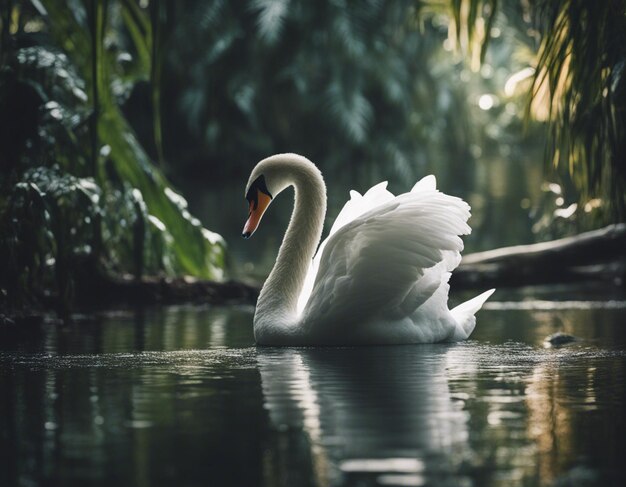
[(376, 264), (359, 204), (356, 206)]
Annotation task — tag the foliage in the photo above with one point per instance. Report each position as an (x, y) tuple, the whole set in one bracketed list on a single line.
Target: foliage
[(357, 87), (580, 67), (76, 184), (51, 221), (579, 87), (92, 92), (470, 23), (369, 90)]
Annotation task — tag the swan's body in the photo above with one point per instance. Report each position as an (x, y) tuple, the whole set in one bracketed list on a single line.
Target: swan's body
[(381, 276)]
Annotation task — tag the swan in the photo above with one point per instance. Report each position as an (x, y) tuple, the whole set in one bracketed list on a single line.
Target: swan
[(380, 277)]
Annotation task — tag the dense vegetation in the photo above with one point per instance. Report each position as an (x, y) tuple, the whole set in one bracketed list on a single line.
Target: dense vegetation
[(99, 100), (578, 86), (79, 193)]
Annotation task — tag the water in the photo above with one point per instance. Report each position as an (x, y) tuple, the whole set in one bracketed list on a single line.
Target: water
[(180, 396)]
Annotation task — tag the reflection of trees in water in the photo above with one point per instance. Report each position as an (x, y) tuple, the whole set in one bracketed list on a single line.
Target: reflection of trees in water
[(147, 419), (575, 406), (490, 382), (496, 414), (549, 422), (107, 404), (491, 413), (562, 401), (541, 415)]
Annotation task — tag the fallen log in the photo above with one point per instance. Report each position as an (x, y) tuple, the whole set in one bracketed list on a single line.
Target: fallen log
[(590, 256)]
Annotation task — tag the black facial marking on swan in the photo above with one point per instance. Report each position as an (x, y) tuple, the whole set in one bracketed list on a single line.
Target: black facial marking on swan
[(257, 185)]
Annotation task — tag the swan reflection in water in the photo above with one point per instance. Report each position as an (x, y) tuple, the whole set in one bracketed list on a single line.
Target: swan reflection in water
[(383, 413)]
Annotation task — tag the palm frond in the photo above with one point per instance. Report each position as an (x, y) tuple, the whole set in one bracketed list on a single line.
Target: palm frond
[(580, 65), (470, 24), (271, 16), (351, 111), (579, 85)]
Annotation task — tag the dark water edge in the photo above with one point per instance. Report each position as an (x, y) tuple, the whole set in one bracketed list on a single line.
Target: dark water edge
[(180, 395)]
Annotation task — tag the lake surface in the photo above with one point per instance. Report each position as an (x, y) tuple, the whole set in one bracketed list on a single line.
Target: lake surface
[(181, 396)]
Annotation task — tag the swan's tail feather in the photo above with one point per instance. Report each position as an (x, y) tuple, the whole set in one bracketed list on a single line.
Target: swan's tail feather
[(464, 315)]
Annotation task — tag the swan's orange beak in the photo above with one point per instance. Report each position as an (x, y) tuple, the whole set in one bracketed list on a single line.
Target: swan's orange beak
[(257, 208)]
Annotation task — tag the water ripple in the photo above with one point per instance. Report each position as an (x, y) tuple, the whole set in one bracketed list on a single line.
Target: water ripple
[(235, 358), (545, 305)]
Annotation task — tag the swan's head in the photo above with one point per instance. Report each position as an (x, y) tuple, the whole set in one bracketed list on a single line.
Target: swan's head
[(259, 198), (270, 177)]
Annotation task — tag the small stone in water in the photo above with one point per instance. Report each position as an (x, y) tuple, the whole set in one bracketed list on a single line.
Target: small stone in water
[(558, 339)]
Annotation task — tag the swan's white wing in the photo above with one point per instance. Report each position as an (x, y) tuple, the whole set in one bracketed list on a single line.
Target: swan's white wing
[(390, 259), (356, 206)]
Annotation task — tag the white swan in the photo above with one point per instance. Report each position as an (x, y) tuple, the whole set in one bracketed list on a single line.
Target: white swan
[(381, 276)]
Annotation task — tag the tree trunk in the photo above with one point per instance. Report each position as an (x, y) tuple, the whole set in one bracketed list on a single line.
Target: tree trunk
[(590, 256)]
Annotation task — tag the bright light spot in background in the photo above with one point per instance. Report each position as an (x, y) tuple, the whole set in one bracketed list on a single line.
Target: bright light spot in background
[(395, 465), (566, 212), (514, 79), (33, 26), (591, 204), (552, 187), (486, 102), (476, 151), (486, 71)]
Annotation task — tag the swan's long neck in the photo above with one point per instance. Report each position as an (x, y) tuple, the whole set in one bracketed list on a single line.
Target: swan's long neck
[(277, 304)]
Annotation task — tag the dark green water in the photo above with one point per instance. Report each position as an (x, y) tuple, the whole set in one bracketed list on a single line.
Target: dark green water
[(180, 396)]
